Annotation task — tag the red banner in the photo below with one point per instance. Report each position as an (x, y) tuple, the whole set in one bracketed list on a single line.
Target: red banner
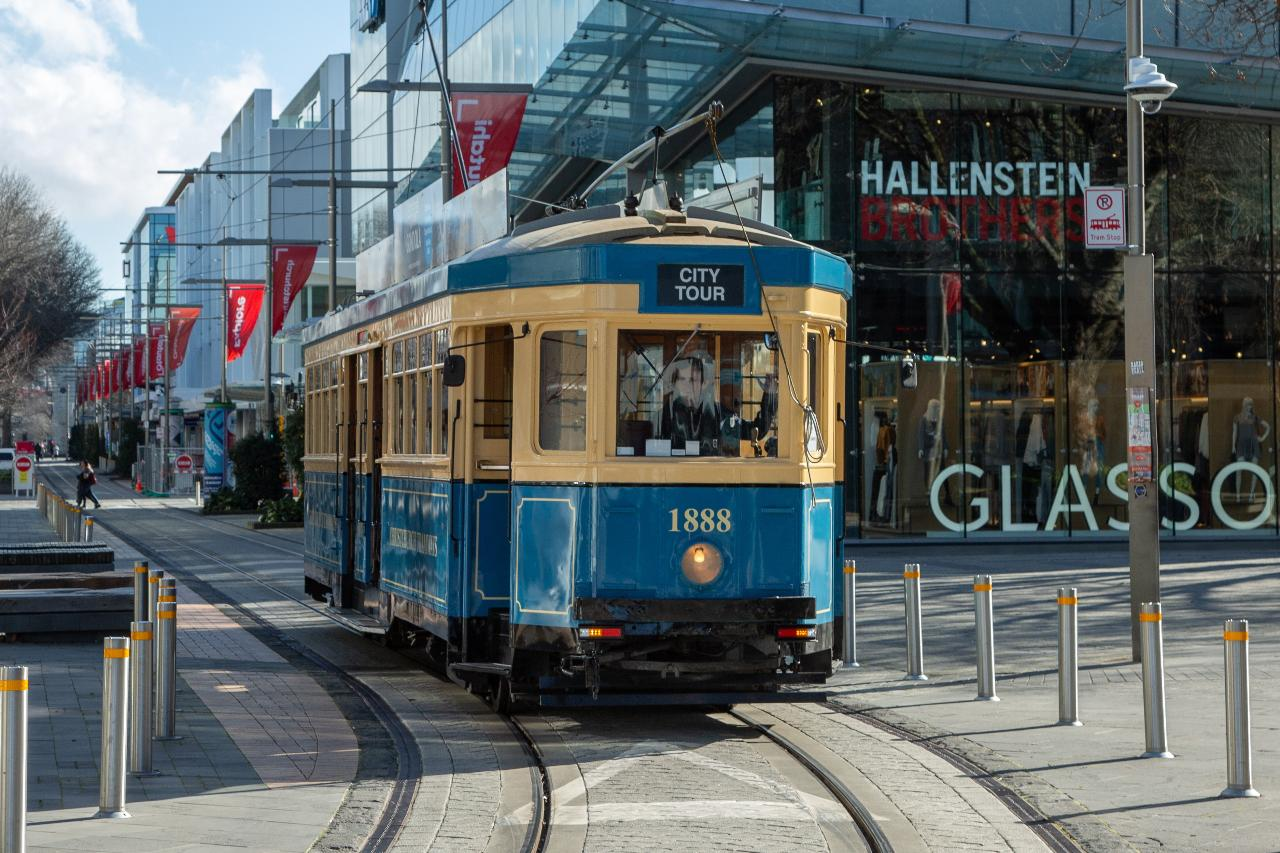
[(171, 233), (488, 124), (137, 360), (155, 364), (244, 303), (290, 269), (182, 321)]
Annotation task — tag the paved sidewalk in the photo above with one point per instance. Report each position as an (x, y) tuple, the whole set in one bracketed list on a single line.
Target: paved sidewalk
[(265, 759), (1089, 779)]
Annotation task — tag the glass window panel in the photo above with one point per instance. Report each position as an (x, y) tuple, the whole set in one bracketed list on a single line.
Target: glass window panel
[(411, 354), (411, 412), (427, 412), (562, 390), (696, 394)]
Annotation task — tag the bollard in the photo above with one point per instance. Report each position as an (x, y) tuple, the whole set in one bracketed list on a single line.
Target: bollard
[(166, 626), (1235, 636), (199, 492), (915, 641), (140, 673), (849, 654), (1152, 647), (168, 591), (115, 726), (77, 526), (140, 570), (984, 636), (88, 529), (13, 759), (153, 590), (1068, 677)]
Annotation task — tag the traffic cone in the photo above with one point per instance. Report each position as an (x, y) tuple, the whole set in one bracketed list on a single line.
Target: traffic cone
[(137, 485)]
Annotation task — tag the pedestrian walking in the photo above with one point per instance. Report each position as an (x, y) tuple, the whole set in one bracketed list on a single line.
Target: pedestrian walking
[(85, 481), (39, 452)]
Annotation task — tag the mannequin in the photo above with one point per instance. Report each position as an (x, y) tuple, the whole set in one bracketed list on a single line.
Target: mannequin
[(931, 443), (1091, 435), (1248, 431)]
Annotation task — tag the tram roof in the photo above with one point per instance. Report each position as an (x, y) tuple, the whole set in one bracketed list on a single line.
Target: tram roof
[(605, 245)]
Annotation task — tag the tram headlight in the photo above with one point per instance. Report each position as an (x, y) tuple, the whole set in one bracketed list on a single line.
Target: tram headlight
[(701, 563)]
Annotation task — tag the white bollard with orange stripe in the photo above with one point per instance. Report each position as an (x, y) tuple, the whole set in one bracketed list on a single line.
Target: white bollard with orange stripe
[(140, 570), (984, 636), (153, 590), (1152, 646), (915, 639), (115, 727), (13, 754), (1235, 637), (140, 635), (1068, 675), (849, 652)]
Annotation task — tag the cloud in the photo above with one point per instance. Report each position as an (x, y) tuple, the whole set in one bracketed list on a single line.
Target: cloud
[(91, 135)]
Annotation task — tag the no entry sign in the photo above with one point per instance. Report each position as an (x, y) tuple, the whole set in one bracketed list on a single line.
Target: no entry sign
[(1104, 218), (184, 464), (23, 464)]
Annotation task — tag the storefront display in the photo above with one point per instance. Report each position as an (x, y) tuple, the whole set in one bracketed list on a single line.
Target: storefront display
[(962, 217)]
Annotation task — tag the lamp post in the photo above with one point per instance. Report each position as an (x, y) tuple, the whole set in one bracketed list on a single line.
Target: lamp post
[(1145, 89)]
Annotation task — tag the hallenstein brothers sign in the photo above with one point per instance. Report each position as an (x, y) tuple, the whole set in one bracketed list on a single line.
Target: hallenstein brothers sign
[(975, 200)]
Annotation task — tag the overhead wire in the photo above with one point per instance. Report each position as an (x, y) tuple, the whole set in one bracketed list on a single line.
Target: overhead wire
[(812, 423)]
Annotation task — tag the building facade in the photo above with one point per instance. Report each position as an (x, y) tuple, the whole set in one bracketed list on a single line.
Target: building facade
[(228, 210), (943, 148)]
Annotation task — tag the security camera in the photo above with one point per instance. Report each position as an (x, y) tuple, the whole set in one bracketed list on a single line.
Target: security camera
[(1147, 85)]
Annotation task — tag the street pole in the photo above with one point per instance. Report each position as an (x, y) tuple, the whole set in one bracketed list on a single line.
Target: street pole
[(333, 204), (223, 312), (269, 428), (446, 109), (1140, 354)]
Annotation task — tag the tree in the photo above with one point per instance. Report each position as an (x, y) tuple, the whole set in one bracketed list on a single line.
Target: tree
[(48, 284), (293, 438), (259, 465)]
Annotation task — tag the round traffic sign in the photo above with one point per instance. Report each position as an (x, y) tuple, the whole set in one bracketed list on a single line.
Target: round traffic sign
[(184, 463), (23, 464)]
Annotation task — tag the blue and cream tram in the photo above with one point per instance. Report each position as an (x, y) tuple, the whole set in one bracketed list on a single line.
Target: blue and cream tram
[(587, 462)]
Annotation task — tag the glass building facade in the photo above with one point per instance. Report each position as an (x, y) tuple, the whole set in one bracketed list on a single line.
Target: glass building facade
[(943, 148)]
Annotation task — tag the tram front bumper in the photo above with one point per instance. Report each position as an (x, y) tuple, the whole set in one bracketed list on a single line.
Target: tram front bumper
[(715, 611)]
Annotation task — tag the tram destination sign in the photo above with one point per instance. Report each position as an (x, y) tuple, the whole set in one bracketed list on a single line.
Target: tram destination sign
[(700, 285)]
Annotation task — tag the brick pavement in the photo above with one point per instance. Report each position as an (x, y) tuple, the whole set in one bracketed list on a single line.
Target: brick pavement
[(265, 759), (1090, 779)]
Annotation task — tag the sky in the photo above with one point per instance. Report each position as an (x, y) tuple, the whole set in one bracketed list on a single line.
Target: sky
[(99, 94)]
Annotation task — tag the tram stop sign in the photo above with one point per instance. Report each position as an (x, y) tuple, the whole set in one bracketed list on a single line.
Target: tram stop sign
[(1104, 218), (184, 463)]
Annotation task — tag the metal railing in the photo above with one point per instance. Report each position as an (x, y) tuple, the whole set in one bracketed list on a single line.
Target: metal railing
[(170, 470)]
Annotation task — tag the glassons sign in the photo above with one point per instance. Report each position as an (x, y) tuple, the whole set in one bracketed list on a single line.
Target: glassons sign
[(977, 200)]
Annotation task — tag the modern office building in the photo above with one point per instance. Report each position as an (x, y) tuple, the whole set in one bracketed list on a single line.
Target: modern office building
[(943, 147), (232, 199)]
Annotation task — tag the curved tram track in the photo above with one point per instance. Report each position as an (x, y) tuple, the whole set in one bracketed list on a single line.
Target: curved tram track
[(553, 818)]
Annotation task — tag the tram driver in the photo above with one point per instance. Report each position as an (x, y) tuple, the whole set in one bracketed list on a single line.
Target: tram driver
[(690, 415)]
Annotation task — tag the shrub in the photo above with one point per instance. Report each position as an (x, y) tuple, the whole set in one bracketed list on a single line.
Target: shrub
[(258, 463), (225, 501), (130, 437), (286, 510)]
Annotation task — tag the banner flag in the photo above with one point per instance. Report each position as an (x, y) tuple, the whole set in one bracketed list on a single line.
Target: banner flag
[(488, 124), (290, 269), (155, 368), (138, 360), (182, 321), (244, 303)]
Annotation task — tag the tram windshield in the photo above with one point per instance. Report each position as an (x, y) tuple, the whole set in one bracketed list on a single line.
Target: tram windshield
[(697, 393)]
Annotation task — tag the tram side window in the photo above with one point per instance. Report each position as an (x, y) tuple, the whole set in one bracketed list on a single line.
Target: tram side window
[(426, 347), (562, 390), (442, 393), (411, 395), (683, 393), (396, 421)]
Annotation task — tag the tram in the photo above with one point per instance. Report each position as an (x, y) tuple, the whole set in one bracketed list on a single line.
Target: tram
[(598, 460)]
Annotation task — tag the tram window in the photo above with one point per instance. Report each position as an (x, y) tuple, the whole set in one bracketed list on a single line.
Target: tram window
[(442, 393), (683, 393), (562, 390), (426, 410)]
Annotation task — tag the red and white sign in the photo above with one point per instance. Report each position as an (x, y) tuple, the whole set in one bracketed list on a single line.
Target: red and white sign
[(24, 479), (1104, 218), (244, 303), (184, 463), (488, 124), (182, 321), (290, 268)]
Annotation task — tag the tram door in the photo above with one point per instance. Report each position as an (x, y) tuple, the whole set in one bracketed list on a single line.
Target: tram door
[(491, 366), (344, 453), (369, 370)]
